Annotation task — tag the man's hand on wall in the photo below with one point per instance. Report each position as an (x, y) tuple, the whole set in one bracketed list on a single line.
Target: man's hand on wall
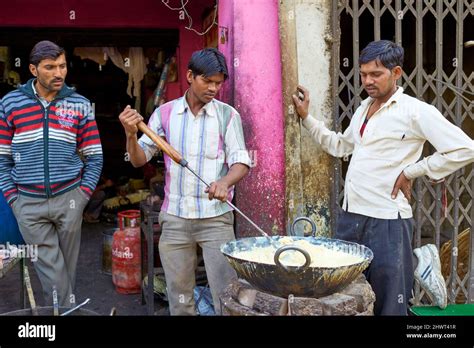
[(301, 103)]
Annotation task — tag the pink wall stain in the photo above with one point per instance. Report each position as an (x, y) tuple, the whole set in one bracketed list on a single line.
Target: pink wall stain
[(254, 54)]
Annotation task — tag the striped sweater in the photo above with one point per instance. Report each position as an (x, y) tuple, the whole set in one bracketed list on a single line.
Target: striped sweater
[(46, 151)]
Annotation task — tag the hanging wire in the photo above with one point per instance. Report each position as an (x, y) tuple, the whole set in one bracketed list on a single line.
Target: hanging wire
[(165, 2), (190, 19), (459, 91)]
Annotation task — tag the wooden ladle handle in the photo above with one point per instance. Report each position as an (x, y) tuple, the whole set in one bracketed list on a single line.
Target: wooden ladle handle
[(162, 144)]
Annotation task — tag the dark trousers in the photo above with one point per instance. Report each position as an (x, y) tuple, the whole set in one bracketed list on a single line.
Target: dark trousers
[(391, 271)]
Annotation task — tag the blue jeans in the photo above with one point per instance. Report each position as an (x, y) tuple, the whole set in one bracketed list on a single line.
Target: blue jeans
[(391, 271)]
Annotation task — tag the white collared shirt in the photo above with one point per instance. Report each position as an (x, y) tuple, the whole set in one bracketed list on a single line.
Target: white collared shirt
[(43, 101), (392, 142), (211, 142)]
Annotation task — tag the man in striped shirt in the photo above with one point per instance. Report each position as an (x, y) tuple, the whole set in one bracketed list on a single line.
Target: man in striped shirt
[(208, 133), (45, 130)]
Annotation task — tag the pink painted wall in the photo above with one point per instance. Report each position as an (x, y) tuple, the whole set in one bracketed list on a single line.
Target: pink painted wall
[(254, 50), (110, 14), (226, 21)]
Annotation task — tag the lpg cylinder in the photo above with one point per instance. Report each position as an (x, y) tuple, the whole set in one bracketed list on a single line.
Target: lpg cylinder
[(126, 257)]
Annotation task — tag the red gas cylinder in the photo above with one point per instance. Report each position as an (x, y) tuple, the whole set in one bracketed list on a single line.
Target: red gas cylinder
[(128, 218), (126, 257)]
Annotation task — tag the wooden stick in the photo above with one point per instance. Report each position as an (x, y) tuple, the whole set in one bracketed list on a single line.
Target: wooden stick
[(162, 144), (31, 297)]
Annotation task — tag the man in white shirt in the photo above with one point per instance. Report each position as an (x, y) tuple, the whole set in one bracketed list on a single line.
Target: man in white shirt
[(385, 138)]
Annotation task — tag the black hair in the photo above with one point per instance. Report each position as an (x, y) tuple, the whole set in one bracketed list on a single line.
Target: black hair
[(387, 52), (208, 62), (45, 50)]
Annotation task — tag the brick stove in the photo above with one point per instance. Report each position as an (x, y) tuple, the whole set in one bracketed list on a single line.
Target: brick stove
[(240, 298)]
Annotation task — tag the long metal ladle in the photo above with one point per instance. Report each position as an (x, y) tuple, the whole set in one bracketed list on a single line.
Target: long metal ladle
[(176, 156)]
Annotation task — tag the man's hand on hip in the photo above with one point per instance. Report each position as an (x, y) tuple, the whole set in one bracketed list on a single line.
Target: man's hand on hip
[(403, 184)]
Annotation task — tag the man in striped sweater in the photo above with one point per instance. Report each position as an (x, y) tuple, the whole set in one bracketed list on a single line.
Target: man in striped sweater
[(50, 162)]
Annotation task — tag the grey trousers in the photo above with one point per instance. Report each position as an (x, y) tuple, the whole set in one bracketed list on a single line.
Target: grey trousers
[(179, 238), (54, 225), (391, 271)]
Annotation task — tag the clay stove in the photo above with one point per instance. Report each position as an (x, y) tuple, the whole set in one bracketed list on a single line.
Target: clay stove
[(240, 298)]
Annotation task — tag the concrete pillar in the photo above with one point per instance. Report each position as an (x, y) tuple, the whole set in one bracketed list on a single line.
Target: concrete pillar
[(253, 51), (305, 33)]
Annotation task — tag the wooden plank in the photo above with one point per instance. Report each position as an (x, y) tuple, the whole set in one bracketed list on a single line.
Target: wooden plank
[(8, 265), (229, 301)]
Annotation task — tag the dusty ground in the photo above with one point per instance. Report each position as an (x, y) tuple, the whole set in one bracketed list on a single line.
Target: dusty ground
[(91, 282)]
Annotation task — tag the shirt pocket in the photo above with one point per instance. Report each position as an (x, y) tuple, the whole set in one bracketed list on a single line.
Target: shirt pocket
[(388, 143), (212, 144)]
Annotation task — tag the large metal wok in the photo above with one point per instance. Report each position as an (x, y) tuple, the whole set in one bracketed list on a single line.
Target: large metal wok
[(302, 281)]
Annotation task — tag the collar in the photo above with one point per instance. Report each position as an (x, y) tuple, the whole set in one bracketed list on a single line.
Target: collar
[(29, 89), (34, 89), (209, 108), (395, 98), (43, 100)]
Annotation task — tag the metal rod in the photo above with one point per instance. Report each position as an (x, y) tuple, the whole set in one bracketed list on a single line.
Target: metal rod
[(355, 52), (77, 307), (377, 20), (456, 282), (439, 106), (232, 206), (335, 61), (178, 158)]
